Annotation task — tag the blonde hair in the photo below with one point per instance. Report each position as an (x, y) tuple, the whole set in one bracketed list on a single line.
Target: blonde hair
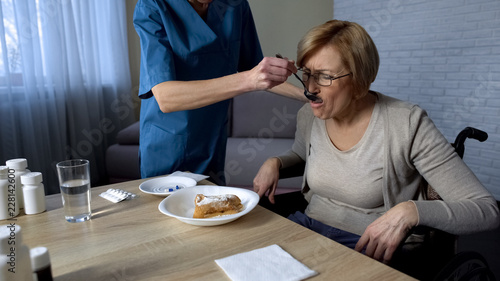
[(355, 46)]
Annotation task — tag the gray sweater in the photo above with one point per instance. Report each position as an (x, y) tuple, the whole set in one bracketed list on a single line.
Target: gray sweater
[(416, 153)]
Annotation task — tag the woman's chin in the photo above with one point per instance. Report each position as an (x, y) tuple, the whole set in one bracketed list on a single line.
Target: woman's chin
[(318, 110)]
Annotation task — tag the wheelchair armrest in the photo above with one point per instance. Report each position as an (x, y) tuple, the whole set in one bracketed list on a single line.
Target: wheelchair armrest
[(424, 252)]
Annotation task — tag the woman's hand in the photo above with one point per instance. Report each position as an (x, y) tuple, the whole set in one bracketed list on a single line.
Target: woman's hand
[(270, 72), (382, 237), (267, 178)]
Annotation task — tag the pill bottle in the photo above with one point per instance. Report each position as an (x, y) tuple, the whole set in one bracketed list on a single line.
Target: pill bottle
[(33, 193), (40, 263), (18, 167), (4, 194), (15, 260)]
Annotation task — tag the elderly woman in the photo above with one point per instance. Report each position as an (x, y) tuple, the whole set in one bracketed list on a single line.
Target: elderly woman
[(368, 156)]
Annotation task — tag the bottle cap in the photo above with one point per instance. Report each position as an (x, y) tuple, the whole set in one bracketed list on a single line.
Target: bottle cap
[(31, 178), (18, 163), (4, 170), (39, 258), (8, 233)]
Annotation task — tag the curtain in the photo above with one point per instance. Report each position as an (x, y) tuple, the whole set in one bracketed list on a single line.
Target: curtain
[(65, 86)]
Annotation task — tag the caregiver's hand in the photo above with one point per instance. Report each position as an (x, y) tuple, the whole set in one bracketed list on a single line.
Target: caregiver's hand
[(270, 72)]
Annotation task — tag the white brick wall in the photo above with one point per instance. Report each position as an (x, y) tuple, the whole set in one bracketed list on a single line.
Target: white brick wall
[(445, 56)]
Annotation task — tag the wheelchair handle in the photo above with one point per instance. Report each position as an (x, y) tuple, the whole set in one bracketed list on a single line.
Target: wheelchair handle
[(471, 133), (478, 134)]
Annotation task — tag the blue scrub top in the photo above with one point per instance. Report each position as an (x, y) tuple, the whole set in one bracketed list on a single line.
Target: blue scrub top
[(177, 44)]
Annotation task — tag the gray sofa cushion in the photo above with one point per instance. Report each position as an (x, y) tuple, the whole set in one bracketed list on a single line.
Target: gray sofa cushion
[(262, 125), (129, 135), (122, 162), (244, 156), (262, 114)]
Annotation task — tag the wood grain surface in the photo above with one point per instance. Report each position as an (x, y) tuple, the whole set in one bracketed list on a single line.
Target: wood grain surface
[(133, 240)]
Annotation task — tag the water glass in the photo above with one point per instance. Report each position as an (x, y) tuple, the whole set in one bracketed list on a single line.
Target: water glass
[(74, 180)]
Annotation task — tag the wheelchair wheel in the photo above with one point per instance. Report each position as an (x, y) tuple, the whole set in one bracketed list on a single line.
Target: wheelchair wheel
[(466, 266)]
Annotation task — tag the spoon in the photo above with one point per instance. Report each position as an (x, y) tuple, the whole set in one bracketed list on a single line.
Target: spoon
[(309, 95)]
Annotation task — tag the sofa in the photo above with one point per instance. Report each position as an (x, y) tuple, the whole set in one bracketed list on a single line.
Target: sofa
[(261, 125)]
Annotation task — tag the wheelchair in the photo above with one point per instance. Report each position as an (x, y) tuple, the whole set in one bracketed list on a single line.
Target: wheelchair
[(427, 254), (467, 265)]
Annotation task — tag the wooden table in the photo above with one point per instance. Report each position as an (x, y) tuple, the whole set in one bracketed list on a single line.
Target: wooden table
[(132, 240)]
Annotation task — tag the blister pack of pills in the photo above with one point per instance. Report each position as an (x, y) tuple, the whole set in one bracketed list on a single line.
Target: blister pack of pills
[(117, 195)]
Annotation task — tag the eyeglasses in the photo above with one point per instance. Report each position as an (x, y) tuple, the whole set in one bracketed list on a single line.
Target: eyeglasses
[(321, 79)]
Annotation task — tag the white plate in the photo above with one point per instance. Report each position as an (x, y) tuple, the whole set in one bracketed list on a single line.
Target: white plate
[(180, 204), (166, 185)]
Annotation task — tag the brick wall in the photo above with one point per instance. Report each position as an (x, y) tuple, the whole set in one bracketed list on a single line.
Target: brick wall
[(445, 56)]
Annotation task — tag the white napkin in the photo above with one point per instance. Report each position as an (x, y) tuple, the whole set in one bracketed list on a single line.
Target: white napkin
[(196, 177), (268, 263)]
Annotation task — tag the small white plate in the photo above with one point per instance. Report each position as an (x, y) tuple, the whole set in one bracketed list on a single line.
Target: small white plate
[(165, 186), (180, 204)]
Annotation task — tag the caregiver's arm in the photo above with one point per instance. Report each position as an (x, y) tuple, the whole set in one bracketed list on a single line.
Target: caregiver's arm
[(184, 95)]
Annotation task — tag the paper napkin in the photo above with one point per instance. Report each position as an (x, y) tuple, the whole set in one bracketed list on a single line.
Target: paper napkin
[(269, 263), (196, 177)]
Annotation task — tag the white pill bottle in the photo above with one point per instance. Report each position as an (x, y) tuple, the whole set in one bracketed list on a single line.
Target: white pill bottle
[(18, 167), (33, 193)]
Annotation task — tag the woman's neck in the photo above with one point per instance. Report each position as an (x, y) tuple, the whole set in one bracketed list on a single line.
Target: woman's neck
[(361, 109)]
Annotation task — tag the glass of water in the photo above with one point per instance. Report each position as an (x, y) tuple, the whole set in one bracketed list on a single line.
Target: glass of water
[(74, 180)]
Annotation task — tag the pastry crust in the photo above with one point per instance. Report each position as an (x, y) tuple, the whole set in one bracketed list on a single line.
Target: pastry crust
[(218, 205)]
